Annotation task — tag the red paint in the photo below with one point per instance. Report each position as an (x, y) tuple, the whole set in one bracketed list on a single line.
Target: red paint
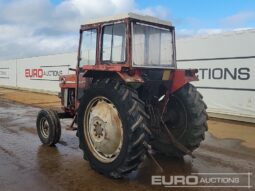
[(102, 67), (34, 73), (180, 78)]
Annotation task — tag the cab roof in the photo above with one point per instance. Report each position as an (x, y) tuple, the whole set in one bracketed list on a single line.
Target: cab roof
[(145, 18)]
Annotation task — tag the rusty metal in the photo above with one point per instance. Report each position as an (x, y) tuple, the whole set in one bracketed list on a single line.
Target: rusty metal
[(99, 26), (70, 82), (112, 67), (182, 77), (136, 77)]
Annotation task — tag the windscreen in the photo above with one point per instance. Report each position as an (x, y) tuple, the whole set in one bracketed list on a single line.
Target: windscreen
[(152, 46)]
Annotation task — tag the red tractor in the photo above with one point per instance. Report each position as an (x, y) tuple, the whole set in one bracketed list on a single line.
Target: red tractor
[(127, 97)]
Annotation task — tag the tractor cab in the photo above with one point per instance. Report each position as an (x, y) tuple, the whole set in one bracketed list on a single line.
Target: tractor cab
[(125, 41), (132, 47)]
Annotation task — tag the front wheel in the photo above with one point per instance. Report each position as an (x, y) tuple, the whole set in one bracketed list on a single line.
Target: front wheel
[(48, 127), (111, 128)]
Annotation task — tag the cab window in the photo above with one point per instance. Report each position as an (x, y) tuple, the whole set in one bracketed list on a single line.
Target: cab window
[(88, 47), (114, 43)]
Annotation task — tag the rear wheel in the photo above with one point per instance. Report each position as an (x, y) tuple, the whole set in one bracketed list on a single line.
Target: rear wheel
[(111, 128), (48, 127), (186, 118)]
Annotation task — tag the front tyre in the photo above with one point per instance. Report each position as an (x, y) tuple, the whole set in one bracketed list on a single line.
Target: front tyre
[(111, 128), (48, 127)]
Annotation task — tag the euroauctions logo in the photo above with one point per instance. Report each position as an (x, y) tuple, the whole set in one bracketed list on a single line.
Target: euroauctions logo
[(48, 73), (40, 73), (207, 180)]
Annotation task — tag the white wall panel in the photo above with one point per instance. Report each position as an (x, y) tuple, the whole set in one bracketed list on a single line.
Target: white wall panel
[(227, 85), (229, 44), (42, 73), (226, 64), (8, 73)]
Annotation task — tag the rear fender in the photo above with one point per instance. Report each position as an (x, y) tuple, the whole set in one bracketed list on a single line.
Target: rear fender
[(181, 77)]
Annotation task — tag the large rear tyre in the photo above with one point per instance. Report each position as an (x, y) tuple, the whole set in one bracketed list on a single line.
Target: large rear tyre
[(48, 127), (111, 128), (186, 118)]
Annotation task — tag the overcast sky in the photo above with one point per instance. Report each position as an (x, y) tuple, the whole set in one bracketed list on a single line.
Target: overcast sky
[(40, 27)]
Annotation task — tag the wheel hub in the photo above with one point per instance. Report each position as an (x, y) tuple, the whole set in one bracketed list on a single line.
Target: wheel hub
[(98, 126), (44, 128)]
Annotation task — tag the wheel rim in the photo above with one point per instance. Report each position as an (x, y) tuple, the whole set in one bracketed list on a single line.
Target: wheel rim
[(176, 117), (103, 129), (44, 128)]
